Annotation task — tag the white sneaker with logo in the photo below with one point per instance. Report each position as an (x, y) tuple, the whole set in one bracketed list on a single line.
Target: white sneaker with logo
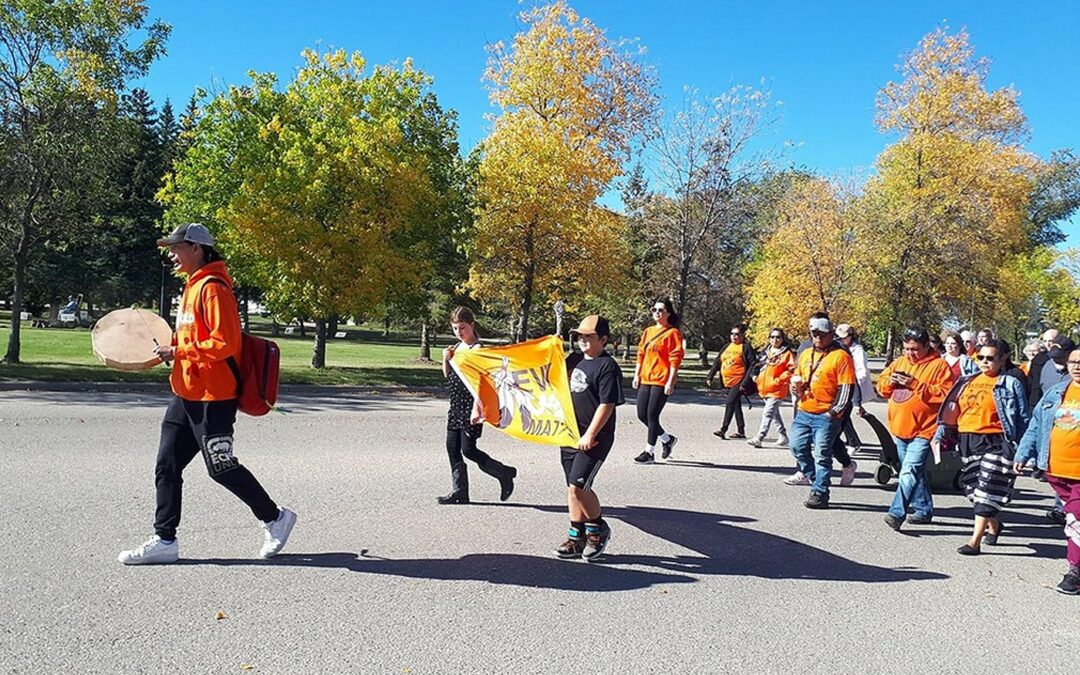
[(797, 478), (151, 552), (277, 533)]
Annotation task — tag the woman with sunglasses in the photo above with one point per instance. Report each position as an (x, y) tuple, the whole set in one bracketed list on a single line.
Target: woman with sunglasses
[(773, 383), (736, 367), (985, 415), (659, 355), (1053, 441)]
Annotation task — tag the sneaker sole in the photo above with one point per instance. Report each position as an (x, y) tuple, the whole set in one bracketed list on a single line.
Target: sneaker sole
[(1065, 592), (599, 551), (155, 561), (290, 523)]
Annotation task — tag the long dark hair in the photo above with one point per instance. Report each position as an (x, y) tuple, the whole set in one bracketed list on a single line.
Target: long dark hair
[(1003, 349), (211, 254), (674, 319)]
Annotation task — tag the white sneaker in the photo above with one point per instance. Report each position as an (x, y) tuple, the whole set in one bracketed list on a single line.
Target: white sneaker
[(755, 441), (847, 474), (782, 441), (277, 533), (797, 478), (152, 552)]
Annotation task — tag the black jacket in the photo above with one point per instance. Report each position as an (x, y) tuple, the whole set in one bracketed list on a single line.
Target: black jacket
[(749, 359)]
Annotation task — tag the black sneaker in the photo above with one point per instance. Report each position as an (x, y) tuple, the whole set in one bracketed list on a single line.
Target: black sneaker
[(453, 498), (645, 458), (666, 448), (893, 522), (571, 548), (720, 433), (737, 435), (817, 501), (1056, 517), (919, 520), (1070, 584), (596, 543), (968, 549)]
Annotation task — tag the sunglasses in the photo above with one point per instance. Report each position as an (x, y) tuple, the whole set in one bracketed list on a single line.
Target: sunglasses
[(776, 337), (735, 333), (658, 310), (985, 359), (818, 333)]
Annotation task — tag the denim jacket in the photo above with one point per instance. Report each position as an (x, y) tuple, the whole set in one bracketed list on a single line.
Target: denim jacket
[(1010, 399), (1036, 441)]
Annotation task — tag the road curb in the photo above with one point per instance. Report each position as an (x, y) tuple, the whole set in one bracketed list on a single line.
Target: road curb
[(286, 390)]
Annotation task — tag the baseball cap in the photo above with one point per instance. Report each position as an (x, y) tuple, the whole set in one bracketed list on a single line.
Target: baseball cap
[(594, 324), (843, 330), (1061, 349), (821, 324), (195, 233)]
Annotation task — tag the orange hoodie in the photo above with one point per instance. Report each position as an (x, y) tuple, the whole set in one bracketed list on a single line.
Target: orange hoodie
[(658, 356), (207, 333), (913, 412)]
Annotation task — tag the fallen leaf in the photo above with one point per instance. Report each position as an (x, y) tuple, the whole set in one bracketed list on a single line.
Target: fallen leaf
[(246, 666), (219, 615)]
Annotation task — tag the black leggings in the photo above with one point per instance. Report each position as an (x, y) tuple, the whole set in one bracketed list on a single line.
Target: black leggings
[(733, 408), (191, 427), (650, 401), (463, 442)]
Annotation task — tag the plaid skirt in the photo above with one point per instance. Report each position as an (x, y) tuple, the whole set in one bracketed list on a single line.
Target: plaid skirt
[(987, 475)]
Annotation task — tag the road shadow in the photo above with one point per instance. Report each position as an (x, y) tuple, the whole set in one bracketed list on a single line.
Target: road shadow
[(720, 546)]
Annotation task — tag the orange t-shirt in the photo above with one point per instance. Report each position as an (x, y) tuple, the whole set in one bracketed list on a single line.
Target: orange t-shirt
[(1065, 437), (732, 368), (824, 375), (978, 413), (1025, 367), (658, 356), (775, 375), (913, 412)]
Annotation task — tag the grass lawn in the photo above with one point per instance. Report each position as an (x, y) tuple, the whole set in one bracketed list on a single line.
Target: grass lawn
[(364, 358)]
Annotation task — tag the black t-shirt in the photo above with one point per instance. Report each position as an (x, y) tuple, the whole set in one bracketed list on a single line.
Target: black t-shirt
[(592, 382)]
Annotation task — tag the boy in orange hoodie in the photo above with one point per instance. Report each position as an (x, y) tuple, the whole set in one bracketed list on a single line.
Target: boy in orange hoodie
[(915, 385)]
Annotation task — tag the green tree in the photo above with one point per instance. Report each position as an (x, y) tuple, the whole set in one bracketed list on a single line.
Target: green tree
[(64, 64), (325, 195)]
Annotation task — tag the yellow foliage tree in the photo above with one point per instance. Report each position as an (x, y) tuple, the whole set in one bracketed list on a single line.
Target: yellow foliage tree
[(950, 196), (812, 260), (572, 104)]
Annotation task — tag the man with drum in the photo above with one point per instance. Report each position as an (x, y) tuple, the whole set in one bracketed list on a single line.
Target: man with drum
[(200, 417)]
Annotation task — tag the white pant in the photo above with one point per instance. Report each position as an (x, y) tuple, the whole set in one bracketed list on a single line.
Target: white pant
[(771, 414)]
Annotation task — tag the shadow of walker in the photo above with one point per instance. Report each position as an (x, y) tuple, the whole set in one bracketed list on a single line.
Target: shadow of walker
[(719, 548)]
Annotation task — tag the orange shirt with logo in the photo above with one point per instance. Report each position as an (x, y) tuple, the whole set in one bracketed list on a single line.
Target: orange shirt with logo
[(913, 411), (824, 374), (978, 412), (1065, 436), (775, 375), (207, 333), (657, 356), (732, 368)]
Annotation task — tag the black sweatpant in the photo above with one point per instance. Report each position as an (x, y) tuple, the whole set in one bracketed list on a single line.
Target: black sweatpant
[(461, 442), (650, 402), (733, 408), (191, 427)]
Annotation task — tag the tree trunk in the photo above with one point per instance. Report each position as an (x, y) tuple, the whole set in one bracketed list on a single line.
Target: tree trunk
[(318, 355), (334, 321), (527, 284), (303, 331), (626, 348), (386, 326), (245, 311), (425, 344), (14, 346), (273, 326), (703, 354), (890, 345)]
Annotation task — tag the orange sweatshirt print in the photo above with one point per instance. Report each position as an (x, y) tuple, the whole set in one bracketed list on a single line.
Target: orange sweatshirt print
[(775, 375), (207, 333), (913, 411), (660, 351)]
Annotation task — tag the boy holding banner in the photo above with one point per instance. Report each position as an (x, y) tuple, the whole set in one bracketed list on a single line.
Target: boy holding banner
[(595, 389)]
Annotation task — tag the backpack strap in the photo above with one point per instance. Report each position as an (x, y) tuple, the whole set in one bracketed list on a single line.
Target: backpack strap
[(233, 365)]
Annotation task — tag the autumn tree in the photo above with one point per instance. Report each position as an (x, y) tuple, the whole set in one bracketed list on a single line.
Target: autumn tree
[(572, 103), (325, 195), (813, 260), (63, 66), (951, 194)]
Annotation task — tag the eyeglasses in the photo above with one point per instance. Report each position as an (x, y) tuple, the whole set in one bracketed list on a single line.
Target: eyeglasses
[(1073, 363), (658, 310), (985, 359)]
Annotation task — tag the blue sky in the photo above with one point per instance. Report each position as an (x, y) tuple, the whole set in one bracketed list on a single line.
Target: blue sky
[(824, 60)]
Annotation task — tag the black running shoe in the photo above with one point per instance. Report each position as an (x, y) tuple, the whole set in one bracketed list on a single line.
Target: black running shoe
[(893, 522), (571, 548), (1055, 516), (817, 501), (737, 435), (919, 520), (666, 448), (1070, 584), (645, 458), (595, 543)]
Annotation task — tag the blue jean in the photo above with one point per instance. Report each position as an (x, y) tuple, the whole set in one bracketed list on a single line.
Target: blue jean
[(812, 437), (913, 489)]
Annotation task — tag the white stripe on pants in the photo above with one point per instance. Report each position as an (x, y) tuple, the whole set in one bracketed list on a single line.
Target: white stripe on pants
[(771, 414)]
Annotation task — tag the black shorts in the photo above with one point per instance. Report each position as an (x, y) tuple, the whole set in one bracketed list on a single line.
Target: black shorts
[(581, 467)]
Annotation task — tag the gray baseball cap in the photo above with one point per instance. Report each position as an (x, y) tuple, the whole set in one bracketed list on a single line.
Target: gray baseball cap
[(195, 233), (821, 324)]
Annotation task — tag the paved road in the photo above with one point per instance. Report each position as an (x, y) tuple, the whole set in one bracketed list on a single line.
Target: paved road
[(714, 566)]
